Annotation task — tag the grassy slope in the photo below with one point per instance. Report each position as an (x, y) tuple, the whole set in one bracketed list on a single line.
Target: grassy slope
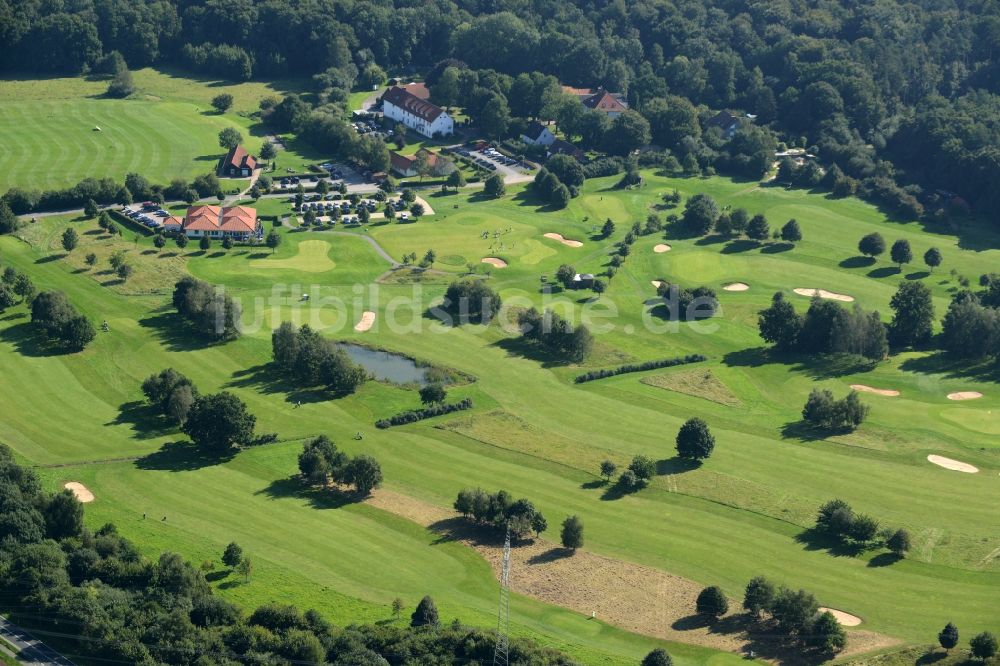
[(737, 516), (167, 129)]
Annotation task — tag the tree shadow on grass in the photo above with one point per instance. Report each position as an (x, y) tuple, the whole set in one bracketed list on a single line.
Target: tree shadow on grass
[(145, 420), (943, 363), (857, 262), (457, 528), (737, 246), (183, 456), (525, 349), (676, 465), (553, 554), (593, 485), (753, 357), (917, 275), (174, 332), (831, 366), (318, 497), (29, 341), (931, 657), (213, 576), (266, 379), (813, 539), (777, 248), (50, 258), (884, 272), (803, 431), (884, 560), (712, 239)]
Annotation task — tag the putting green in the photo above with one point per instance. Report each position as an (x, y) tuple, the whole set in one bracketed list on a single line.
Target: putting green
[(979, 420), (313, 257)]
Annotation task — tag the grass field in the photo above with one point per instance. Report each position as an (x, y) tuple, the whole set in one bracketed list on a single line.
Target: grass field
[(533, 431), (166, 130)]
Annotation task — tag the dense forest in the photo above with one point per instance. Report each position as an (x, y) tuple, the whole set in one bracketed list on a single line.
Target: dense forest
[(891, 93)]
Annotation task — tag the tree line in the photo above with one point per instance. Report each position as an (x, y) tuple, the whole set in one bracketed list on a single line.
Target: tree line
[(826, 328), (125, 608), (321, 463), (212, 313), (307, 359)]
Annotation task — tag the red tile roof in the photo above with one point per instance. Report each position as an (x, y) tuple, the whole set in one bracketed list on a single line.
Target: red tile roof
[(409, 102), (238, 219), (239, 158), (418, 90), (404, 163)]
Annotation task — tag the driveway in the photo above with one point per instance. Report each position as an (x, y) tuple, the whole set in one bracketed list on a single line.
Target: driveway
[(33, 651)]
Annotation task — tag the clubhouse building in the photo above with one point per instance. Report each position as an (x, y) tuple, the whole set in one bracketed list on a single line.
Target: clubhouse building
[(418, 114), (237, 163), (239, 223)]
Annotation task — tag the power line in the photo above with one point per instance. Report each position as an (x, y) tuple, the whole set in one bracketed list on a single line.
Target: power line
[(503, 613)]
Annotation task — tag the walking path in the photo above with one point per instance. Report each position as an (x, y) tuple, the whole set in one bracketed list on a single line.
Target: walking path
[(33, 652)]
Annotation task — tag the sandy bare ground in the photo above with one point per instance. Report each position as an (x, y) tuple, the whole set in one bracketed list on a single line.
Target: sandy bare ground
[(965, 395), (877, 391), (366, 322), (823, 293), (80, 491), (954, 465), (630, 596), (736, 286), (494, 262), (423, 202), (846, 619), (661, 248), (565, 241)]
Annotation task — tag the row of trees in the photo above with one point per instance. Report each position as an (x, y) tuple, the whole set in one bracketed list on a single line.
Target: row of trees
[(555, 334), (212, 313), (321, 463), (125, 608), (826, 328), (306, 358), (703, 216), (837, 520)]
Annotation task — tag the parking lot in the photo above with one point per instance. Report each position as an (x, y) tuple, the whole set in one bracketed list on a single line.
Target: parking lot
[(492, 159), (146, 213), (335, 174)]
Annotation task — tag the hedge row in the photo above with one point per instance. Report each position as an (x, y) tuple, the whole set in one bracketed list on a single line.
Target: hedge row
[(640, 367), (127, 221), (426, 413)]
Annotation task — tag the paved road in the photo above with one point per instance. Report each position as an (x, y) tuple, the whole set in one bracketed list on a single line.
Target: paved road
[(371, 241), (33, 651)]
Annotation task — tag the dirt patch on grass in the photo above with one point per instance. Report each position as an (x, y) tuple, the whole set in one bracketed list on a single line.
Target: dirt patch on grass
[(565, 241), (965, 395), (80, 491), (699, 383), (736, 286), (366, 322), (633, 597), (877, 391), (494, 262), (661, 248), (823, 293), (954, 465), (846, 619)]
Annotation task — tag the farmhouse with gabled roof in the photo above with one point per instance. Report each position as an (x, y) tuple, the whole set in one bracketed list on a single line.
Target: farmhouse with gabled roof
[(237, 163), (418, 114)]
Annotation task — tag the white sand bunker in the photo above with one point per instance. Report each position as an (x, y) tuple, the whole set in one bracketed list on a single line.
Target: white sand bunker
[(965, 395), (953, 465), (823, 293), (80, 491), (868, 389), (736, 286), (845, 619), (661, 248), (494, 262), (564, 241), (366, 322)]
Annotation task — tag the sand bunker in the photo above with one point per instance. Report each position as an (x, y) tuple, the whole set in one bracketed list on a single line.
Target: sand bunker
[(366, 322), (823, 293), (80, 491), (965, 395), (876, 391), (736, 286), (846, 619), (494, 262), (661, 248), (953, 465), (565, 241)]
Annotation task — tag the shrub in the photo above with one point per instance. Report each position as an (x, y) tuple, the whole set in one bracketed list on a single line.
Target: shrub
[(639, 367), (426, 413)]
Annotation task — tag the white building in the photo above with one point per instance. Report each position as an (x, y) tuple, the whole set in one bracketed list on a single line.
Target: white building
[(538, 134), (419, 115)]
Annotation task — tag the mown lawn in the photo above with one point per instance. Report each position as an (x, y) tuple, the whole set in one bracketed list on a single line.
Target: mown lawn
[(535, 432)]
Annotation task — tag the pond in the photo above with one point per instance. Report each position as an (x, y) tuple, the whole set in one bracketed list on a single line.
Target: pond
[(386, 366)]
